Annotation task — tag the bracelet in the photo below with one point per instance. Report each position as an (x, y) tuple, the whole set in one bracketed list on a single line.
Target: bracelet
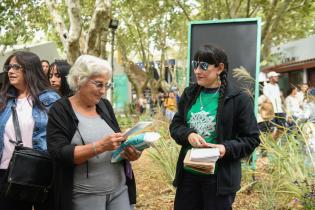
[(94, 149)]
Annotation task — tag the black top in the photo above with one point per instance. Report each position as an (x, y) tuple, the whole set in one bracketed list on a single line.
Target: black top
[(61, 127), (237, 130)]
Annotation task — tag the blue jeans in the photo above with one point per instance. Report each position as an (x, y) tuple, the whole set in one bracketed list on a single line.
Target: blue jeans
[(199, 192)]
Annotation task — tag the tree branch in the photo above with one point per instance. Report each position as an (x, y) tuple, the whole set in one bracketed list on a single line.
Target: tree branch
[(58, 21), (73, 50), (273, 27), (228, 8), (238, 7), (99, 18), (135, 75), (144, 56), (183, 8), (247, 8), (268, 21), (303, 4), (254, 11)]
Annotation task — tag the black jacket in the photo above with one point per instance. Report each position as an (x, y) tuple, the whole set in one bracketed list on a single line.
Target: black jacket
[(61, 127), (236, 129)]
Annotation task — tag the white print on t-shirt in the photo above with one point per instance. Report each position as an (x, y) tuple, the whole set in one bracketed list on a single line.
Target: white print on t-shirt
[(203, 123)]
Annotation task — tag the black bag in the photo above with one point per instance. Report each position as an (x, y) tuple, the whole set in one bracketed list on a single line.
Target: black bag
[(30, 172)]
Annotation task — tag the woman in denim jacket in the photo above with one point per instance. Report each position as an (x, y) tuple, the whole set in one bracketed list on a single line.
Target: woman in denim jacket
[(27, 88)]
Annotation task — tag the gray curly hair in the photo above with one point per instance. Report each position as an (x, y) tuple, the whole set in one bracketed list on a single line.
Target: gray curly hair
[(84, 67)]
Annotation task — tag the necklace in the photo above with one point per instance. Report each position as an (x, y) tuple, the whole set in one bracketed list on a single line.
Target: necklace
[(201, 104)]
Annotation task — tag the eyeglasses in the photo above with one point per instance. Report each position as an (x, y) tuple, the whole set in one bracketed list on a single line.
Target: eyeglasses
[(101, 85), (203, 65), (15, 67)]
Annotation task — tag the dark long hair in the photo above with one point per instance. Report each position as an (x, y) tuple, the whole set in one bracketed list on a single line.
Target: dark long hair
[(214, 55), (62, 67), (35, 79)]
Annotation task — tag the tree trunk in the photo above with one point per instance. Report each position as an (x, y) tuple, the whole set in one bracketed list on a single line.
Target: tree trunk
[(95, 36), (59, 24), (135, 75), (75, 40), (73, 48)]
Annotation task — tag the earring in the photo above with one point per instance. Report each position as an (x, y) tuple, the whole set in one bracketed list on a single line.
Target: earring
[(218, 78)]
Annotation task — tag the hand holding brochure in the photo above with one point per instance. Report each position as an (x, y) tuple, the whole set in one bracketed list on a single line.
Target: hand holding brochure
[(139, 126), (140, 142)]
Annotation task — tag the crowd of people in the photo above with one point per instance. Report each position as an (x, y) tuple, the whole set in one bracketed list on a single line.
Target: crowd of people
[(62, 110), (278, 111), (166, 102)]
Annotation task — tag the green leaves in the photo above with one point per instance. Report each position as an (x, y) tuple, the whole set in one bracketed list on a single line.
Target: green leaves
[(18, 20)]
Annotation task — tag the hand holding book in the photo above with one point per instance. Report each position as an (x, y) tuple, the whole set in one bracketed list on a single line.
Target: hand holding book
[(139, 126), (221, 148), (202, 159), (139, 142)]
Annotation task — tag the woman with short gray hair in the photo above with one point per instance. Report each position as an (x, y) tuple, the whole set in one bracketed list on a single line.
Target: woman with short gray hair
[(82, 132)]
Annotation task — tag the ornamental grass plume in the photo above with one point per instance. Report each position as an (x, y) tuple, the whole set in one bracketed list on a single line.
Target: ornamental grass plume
[(242, 75)]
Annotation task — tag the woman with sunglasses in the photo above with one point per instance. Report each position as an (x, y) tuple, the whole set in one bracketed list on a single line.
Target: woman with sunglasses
[(57, 74), (82, 132), (212, 113), (26, 88)]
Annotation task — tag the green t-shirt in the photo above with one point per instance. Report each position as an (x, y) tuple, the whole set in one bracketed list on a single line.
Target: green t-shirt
[(202, 117)]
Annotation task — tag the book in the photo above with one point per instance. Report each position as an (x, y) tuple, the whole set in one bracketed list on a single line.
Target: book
[(204, 154), (139, 126), (140, 142), (202, 167)]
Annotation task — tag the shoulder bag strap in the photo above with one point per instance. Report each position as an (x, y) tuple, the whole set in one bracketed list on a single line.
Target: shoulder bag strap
[(16, 125)]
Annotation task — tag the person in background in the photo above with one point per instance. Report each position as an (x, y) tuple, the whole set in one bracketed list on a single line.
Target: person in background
[(170, 105), (265, 113), (57, 74), (153, 104), (212, 113), (272, 91), (293, 109), (82, 132), (161, 100), (301, 94), (45, 66), (26, 88), (142, 104), (309, 106), (309, 114)]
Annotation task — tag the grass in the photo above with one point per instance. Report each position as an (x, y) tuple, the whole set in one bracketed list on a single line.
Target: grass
[(280, 184)]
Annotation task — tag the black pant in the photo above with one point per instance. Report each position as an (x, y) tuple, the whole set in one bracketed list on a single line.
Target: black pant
[(12, 204), (198, 192)]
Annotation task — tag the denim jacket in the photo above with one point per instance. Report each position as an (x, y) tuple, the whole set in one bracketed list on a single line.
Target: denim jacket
[(40, 117)]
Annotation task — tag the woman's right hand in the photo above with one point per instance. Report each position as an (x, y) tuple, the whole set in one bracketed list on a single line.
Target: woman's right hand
[(111, 142), (197, 141), (108, 143)]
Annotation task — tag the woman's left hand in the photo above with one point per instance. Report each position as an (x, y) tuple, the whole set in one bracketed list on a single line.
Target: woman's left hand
[(131, 153), (221, 148)]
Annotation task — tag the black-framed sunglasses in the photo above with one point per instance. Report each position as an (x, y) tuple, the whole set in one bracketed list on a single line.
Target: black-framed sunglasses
[(203, 65), (15, 67), (101, 85)]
